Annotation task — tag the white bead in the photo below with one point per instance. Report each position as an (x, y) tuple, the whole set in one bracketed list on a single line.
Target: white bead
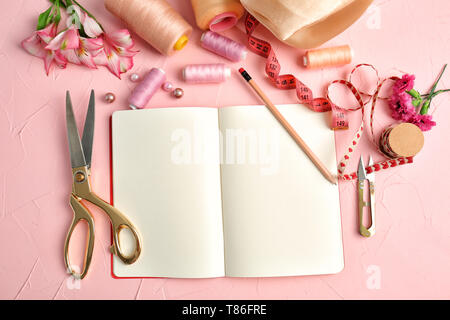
[(167, 86), (134, 77)]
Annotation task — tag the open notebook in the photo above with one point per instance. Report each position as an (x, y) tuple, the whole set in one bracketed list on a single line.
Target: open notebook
[(226, 192)]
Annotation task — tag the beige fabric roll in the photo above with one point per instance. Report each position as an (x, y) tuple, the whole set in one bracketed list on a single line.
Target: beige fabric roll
[(306, 23)]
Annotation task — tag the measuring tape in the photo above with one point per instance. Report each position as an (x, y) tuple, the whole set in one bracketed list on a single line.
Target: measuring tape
[(289, 81), (339, 114)]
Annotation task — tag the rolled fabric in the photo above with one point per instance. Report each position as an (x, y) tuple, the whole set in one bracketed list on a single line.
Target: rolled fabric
[(308, 23)]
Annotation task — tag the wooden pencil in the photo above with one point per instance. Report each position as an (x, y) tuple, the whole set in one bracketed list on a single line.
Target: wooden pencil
[(315, 160)]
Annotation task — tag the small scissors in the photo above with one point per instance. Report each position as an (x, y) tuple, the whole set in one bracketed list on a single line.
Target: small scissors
[(80, 157), (370, 230)]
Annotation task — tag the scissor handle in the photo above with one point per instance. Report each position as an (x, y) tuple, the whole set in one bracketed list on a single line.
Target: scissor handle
[(80, 213), (363, 230), (118, 223)]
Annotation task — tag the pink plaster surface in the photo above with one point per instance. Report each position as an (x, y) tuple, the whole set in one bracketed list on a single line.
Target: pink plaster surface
[(410, 253)]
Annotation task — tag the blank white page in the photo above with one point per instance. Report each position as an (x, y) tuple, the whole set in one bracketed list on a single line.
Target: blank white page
[(281, 216), (166, 179)]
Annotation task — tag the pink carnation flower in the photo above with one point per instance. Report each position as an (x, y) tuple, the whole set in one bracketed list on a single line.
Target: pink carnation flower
[(401, 106), (423, 121), (406, 83)]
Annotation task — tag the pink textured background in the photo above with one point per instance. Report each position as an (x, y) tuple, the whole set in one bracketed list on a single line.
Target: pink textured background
[(411, 250)]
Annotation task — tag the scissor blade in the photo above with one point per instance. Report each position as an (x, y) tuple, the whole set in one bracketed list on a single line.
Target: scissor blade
[(361, 170), (75, 148), (88, 131)]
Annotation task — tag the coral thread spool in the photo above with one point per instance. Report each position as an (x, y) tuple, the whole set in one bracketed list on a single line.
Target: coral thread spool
[(154, 21), (217, 15), (145, 90), (328, 57), (223, 46), (402, 140), (206, 73)]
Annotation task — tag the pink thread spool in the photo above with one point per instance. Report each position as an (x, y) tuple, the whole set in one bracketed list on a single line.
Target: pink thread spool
[(223, 46), (145, 90), (206, 73)]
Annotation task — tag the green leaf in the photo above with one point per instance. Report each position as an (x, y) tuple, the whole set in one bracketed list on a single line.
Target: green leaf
[(58, 12), (44, 19)]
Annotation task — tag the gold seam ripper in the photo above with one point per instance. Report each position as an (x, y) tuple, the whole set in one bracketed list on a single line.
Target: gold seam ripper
[(366, 231)]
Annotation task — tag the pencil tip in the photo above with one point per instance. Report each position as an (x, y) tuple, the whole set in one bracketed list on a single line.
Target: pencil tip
[(241, 70)]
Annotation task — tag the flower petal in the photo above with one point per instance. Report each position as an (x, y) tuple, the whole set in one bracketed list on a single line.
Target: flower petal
[(123, 52), (34, 46), (48, 60), (121, 38), (84, 56), (48, 33), (126, 64), (87, 60), (65, 40), (60, 60), (94, 45), (113, 61), (71, 56), (91, 27)]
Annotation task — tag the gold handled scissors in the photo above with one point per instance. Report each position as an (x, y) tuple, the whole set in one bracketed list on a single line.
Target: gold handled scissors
[(80, 157), (366, 231)]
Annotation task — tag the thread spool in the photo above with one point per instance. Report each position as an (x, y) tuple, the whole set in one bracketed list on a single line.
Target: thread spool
[(217, 15), (206, 73), (223, 46), (328, 57), (403, 140), (145, 90), (154, 21)]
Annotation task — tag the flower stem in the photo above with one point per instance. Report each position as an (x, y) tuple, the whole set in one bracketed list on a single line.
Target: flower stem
[(432, 94)]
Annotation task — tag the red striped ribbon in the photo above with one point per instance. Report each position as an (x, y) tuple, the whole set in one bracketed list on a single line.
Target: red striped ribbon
[(389, 163)]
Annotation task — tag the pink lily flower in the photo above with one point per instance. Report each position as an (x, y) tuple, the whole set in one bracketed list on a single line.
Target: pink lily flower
[(37, 43), (117, 54), (65, 40), (85, 53)]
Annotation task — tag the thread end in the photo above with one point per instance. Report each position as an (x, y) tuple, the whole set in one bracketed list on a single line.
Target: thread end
[(227, 72), (244, 55), (305, 61), (181, 43)]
